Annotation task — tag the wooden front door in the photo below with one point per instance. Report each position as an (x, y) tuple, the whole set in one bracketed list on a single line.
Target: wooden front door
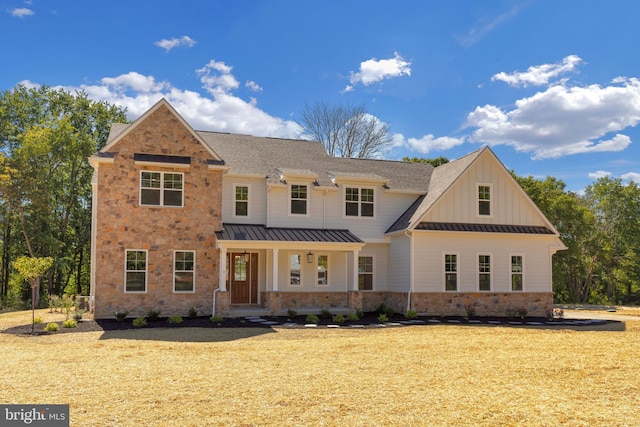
[(243, 278)]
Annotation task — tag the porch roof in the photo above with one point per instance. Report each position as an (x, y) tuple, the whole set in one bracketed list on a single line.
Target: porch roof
[(258, 232), (486, 228)]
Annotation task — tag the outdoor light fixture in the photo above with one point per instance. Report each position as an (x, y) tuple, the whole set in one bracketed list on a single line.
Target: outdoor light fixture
[(246, 256), (309, 257)]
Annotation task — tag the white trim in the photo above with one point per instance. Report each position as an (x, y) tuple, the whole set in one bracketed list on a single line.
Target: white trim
[(95, 160), (175, 251), (491, 194), (233, 214), (359, 202), (161, 189), (444, 271), (162, 164), (511, 272), (490, 255), (316, 264), (146, 271), (308, 200), (302, 260)]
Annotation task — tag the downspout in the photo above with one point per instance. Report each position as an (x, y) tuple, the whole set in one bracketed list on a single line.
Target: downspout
[(215, 291), (410, 236)]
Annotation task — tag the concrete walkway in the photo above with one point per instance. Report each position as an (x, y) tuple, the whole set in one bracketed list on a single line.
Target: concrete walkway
[(604, 315)]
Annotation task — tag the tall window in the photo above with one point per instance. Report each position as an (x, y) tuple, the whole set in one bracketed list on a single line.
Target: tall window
[(484, 200), (358, 201), (135, 271), (365, 273), (295, 272), (298, 199), (183, 271), (484, 272), (160, 189), (240, 267), (451, 272), (517, 272), (242, 200), (323, 270)]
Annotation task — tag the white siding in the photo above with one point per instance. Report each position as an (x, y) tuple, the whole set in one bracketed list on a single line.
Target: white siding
[(399, 265), (379, 252), (430, 247), (338, 272), (257, 200)]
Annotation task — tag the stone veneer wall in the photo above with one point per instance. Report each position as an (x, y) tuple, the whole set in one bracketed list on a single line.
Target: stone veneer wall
[(280, 302), (496, 304), (123, 224)]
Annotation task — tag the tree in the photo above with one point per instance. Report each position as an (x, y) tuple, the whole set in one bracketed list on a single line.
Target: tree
[(433, 162), (32, 269), (345, 130)]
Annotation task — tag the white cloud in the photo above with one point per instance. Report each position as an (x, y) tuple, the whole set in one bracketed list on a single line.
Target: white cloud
[(373, 71), (539, 74), (429, 143), (253, 86), (222, 112), (632, 176), (21, 12), (599, 174), (168, 44), (485, 26), (563, 120)]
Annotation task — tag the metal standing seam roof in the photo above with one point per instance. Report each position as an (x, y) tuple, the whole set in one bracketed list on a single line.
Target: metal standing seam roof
[(484, 228), (258, 232)]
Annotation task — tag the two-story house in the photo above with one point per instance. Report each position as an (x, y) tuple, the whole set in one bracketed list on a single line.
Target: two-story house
[(222, 222)]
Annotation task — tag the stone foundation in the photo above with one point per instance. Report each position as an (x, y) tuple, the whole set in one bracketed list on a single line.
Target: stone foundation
[(223, 303), (279, 302), (484, 303)]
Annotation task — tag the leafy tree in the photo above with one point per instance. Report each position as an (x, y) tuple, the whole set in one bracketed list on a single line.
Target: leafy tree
[(32, 269), (345, 130), (434, 162)]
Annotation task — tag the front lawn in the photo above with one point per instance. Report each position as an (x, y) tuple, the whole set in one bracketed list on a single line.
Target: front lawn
[(436, 375)]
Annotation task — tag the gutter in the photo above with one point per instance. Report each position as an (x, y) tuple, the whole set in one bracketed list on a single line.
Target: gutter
[(215, 291), (410, 236)]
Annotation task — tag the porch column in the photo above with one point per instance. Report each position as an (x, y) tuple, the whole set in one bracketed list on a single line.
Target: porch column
[(355, 269), (222, 270), (274, 267)]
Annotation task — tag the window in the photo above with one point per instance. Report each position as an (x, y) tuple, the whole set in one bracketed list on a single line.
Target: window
[(135, 271), (484, 272), (451, 272), (160, 189), (365, 273), (517, 272), (240, 267), (484, 200), (323, 270), (183, 269), (298, 199), (241, 200), (295, 272), (358, 201)]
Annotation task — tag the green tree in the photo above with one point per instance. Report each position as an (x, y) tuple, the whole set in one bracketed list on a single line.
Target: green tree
[(435, 162), (32, 269)]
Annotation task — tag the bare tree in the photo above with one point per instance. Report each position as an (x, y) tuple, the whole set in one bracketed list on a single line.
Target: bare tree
[(345, 130)]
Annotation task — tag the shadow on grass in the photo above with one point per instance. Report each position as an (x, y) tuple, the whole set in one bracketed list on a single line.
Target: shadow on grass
[(186, 334)]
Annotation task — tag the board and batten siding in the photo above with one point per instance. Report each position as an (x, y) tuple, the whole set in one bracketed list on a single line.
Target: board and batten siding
[(430, 248), (509, 204)]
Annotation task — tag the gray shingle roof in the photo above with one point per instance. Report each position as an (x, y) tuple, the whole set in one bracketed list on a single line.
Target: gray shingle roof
[(257, 232)]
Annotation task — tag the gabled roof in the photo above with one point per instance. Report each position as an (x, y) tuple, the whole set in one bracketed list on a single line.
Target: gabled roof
[(119, 131)]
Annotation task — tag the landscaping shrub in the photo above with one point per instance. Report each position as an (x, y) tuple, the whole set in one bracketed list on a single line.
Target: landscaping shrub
[(339, 318), (383, 318), (153, 315), (291, 313), (69, 323), (411, 314), (217, 319), (175, 319), (121, 315), (38, 321), (139, 322), (77, 315), (193, 313), (352, 317), (325, 313), (52, 327), (311, 318)]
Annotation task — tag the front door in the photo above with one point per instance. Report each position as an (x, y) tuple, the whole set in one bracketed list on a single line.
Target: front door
[(243, 277)]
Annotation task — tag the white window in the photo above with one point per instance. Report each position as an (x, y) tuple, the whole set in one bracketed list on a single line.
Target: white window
[(484, 200), (298, 199), (322, 274), (295, 270), (358, 201), (484, 272), (135, 276), (241, 198), (184, 263), (161, 189), (450, 272), (365, 273), (517, 272)]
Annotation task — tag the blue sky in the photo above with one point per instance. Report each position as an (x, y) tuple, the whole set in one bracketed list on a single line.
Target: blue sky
[(552, 86)]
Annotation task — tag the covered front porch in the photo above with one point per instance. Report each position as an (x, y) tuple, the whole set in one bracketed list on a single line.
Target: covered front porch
[(271, 270)]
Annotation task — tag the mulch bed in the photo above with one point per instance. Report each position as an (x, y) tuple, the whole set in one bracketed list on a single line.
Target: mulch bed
[(369, 320)]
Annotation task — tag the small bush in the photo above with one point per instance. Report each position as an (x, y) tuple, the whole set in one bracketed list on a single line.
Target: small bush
[(69, 323), (52, 327), (122, 315), (38, 321), (470, 309), (153, 315), (411, 314), (193, 313), (217, 319), (325, 313), (175, 319), (352, 317), (291, 313), (338, 318), (311, 318), (383, 318), (54, 303), (360, 314), (139, 322), (389, 312), (381, 308), (522, 312), (67, 302), (77, 315)]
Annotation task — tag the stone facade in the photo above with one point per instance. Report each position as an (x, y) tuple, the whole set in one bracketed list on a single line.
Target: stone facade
[(280, 302), (121, 223), (537, 304)]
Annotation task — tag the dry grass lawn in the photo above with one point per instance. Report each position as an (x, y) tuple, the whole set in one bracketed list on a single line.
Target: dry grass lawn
[(421, 375)]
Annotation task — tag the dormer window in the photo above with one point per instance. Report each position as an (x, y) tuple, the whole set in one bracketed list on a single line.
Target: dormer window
[(484, 200), (298, 199)]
